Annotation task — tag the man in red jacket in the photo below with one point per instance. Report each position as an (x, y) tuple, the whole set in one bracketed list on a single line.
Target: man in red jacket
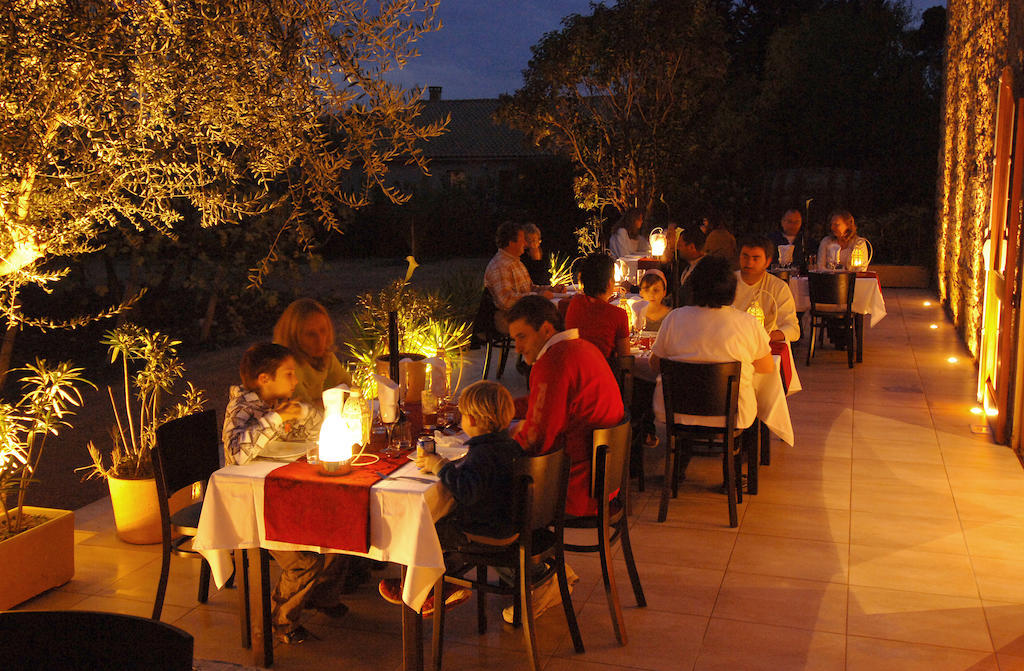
[(572, 392)]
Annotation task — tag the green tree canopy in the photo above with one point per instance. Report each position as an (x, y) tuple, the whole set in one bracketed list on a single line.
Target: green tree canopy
[(624, 93), (135, 112)]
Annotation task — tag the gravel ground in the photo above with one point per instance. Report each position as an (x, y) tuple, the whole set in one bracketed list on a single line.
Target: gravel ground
[(336, 285)]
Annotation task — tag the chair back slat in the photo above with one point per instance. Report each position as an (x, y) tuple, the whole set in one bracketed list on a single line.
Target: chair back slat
[(622, 366), (543, 481), (708, 389), (610, 468), (831, 289), (187, 450)]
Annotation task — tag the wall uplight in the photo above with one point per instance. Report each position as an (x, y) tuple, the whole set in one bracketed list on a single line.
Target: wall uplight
[(976, 410), (991, 412)]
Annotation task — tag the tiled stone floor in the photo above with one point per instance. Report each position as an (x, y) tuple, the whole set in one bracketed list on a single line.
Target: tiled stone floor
[(889, 537)]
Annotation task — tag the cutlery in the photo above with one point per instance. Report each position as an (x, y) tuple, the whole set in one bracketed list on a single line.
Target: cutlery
[(405, 477)]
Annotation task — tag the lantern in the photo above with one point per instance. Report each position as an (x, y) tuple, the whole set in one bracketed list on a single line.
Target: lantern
[(757, 312), (860, 257), (339, 433), (621, 270), (658, 242)]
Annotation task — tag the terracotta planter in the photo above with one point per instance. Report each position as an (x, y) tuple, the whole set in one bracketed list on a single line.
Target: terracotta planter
[(136, 510), (38, 559)]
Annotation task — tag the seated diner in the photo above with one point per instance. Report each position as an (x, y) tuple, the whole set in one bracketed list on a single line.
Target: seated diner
[(600, 322)]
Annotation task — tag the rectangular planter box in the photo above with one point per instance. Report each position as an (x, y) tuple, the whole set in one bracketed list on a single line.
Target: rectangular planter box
[(910, 277), (38, 559)]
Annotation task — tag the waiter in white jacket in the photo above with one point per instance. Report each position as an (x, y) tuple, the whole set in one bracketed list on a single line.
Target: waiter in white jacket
[(755, 286)]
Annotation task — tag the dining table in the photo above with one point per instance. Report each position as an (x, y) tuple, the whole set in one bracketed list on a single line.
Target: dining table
[(402, 512)]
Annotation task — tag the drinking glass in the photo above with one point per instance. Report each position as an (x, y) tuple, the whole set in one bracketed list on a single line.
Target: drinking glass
[(389, 416)]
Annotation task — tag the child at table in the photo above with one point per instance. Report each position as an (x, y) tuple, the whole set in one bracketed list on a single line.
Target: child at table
[(260, 410), (481, 482)]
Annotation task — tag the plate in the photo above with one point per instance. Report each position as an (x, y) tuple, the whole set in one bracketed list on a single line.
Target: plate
[(283, 450)]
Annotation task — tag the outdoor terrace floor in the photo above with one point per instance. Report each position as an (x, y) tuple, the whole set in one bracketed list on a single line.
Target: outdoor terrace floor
[(889, 537)]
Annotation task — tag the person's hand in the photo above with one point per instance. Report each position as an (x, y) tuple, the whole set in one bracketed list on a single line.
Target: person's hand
[(547, 294), (289, 410), (776, 335), (431, 463)]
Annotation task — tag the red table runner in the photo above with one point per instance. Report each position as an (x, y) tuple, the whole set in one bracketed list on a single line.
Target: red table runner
[(786, 363), (302, 506)]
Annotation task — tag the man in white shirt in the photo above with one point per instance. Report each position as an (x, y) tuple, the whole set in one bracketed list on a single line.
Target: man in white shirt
[(756, 286)]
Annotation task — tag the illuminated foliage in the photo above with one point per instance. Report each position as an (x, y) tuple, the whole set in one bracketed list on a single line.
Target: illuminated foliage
[(129, 113), (623, 93)]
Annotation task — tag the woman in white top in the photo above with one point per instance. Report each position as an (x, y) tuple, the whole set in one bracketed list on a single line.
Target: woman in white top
[(625, 239), (712, 331), (844, 234)]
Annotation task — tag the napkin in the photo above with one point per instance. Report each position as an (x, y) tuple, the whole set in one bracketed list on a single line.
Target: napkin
[(387, 395), (438, 375)]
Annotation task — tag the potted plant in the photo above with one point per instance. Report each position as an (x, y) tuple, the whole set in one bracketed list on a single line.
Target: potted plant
[(130, 472), (37, 545), (428, 326)]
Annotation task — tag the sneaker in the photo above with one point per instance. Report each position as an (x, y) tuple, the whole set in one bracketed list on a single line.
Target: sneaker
[(293, 636), (545, 595), (451, 599), (391, 590)]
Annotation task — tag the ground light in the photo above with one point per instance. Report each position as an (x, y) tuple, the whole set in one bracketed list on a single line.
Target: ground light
[(927, 304), (952, 359), (933, 326), (976, 410)]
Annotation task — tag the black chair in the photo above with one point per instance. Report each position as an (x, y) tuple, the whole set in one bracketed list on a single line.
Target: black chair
[(711, 390), (831, 297), (533, 555), (484, 329), (185, 454), (622, 366), (609, 484), (87, 640)]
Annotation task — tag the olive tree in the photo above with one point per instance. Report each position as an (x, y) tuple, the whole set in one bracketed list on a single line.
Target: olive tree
[(624, 93), (134, 113)]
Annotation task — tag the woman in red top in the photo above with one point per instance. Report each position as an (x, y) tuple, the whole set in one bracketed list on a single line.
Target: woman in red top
[(598, 321)]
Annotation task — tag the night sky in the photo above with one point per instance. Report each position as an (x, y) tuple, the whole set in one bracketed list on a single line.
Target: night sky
[(485, 44)]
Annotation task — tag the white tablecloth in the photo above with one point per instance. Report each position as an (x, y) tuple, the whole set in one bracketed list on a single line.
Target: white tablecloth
[(402, 516), (867, 297), (772, 408)]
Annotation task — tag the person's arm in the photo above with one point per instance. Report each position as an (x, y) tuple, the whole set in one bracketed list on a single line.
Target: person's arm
[(622, 332), (247, 432), (822, 253), (547, 413)]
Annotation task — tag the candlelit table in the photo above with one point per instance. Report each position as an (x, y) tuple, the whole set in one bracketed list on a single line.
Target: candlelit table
[(402, 516)]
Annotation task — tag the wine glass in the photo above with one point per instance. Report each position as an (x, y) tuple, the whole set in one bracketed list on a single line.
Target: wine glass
[(389, 416)]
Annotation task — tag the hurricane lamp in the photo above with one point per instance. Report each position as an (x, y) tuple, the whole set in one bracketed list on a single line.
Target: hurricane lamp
[(658, 242), (339, 434)]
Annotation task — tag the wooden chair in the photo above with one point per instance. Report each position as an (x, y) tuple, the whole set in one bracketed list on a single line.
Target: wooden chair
[(485, 329), (88, 640), (710, 390), (831, 297), (534, 554), (186, 453), (609, 484)]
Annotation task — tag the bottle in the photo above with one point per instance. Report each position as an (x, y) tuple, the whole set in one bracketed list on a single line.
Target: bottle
[(360, 406), (428, 401), (378, 432)]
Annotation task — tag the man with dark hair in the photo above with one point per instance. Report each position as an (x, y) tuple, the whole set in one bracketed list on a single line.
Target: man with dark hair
[(759, 291), (600, 322), (690, 250), (572, 392), (506, 277), (790, 232)]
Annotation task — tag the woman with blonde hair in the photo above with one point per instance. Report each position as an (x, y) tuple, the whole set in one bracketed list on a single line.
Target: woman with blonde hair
[(306, 329)]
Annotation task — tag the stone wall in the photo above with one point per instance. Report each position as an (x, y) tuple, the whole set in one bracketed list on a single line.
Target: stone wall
[(978, 45)]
